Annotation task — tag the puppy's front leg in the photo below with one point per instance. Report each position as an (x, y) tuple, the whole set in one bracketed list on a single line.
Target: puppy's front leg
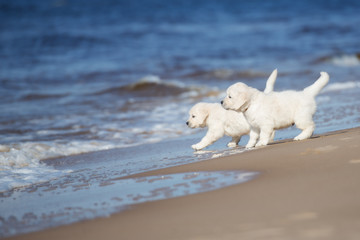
[(265, 136), (210, 137), (254, 135)]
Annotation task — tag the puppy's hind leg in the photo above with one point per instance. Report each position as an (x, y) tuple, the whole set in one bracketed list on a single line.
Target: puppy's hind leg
[(272, 136), (307, 128), (234, 142)]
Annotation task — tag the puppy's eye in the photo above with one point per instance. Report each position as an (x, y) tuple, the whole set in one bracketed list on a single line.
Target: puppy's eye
[(229, 96), (193, 116)]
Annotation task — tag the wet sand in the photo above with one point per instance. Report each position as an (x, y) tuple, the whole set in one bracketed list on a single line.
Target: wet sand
[(306, 190)]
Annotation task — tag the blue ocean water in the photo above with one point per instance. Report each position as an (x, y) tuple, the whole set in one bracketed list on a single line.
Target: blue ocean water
[(82, 76), (90, 75)]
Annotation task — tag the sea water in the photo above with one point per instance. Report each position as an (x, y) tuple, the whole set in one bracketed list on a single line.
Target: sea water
[(100, 200), (93, 76)]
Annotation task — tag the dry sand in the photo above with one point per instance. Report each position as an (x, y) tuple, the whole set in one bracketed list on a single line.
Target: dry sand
[(306, 190)]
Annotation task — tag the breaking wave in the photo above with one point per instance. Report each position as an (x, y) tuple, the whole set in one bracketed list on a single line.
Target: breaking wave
[(149, 86), (344, 60), (154, 87), (227, 74), (21, 165)]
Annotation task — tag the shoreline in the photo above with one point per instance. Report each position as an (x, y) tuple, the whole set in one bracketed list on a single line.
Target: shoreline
[(305, 190)]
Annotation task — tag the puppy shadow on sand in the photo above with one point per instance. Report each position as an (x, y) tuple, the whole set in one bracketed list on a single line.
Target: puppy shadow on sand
[(220, 121)]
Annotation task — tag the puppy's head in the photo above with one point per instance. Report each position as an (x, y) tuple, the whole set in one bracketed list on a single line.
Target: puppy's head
[(237, 97), (198, 115)]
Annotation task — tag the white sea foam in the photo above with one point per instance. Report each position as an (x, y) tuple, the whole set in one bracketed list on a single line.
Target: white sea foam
[(20, 164), (157, 80), (346, 60), (150, 79), (333, 87), (26, 154)]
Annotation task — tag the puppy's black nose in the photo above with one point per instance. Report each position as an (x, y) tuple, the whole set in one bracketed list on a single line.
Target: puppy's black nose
[(187, 123), (222, 102)]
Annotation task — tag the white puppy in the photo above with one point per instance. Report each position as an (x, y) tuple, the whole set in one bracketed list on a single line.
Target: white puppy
[(221, 122), (268, 112)]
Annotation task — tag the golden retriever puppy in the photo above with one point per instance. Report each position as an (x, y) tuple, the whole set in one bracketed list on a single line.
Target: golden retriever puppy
[(276, 110)]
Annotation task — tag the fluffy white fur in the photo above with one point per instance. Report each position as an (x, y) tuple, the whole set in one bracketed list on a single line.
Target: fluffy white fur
[(222, 122), (268, 112), (219, 122)]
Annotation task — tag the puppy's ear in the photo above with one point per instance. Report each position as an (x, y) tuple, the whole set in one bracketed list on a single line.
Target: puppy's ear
[(205, 112), (242, 98)]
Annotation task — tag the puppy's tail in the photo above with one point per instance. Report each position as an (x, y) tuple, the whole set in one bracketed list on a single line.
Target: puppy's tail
[(271, 82), (316, 87)]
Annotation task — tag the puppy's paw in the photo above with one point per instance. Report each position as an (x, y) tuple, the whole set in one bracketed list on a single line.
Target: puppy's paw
[(297, 138), (196, 147), (231, 144), (260, 144), (249, 146)]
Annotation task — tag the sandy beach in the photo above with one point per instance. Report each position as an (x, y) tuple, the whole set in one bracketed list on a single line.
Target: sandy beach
[(305, 190)]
